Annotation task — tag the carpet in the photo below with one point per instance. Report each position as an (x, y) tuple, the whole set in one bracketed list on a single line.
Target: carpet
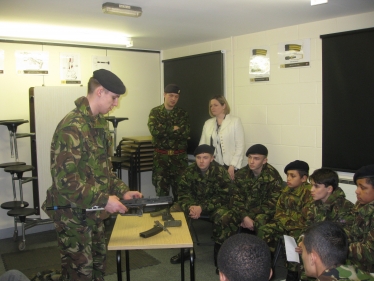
[(30, 262)]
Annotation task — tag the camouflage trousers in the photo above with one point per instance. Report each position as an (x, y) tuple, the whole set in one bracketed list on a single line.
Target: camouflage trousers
[(225, 223), (167, 171), (82, 247), (271, 233)]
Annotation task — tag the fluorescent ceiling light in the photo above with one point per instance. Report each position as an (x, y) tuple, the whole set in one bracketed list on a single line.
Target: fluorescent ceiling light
[(121, 9), (317, 2), (62, 34)]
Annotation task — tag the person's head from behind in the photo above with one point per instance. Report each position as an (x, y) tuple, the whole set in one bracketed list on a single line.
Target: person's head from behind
[(257, 157), (364, 180), (204, 155), (218, 105), (324, 246), (324, 182), (297, 173), (103, 91), (244, 257)]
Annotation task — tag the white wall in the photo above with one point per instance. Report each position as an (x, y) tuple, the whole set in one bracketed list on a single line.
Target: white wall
[(286, 113), (140, 72)]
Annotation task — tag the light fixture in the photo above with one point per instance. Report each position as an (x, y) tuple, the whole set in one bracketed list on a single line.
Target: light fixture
[(317, 2), (121, 9), (62, 34)]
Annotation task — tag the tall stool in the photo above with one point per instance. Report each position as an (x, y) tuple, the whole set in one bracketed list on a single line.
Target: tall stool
[(20, 213), (115, 121), (12, 127), (15, 203)]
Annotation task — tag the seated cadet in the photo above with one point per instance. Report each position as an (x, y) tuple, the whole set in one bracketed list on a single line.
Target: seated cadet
[(206, 188), (288, 219), (260, 185), (361, 233), (244, 257), (329, 203), (325, 248)]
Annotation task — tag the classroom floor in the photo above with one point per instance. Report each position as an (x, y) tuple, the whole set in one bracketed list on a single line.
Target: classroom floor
[(204, 265)]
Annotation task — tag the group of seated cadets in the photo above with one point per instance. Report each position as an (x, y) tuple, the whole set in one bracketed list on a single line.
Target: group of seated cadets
[(256, 201)]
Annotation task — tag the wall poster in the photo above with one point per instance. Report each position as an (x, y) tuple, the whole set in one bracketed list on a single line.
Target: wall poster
[(259, 65), (294, 54)]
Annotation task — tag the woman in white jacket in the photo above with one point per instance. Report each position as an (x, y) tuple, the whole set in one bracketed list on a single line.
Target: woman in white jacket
[(224, 132)]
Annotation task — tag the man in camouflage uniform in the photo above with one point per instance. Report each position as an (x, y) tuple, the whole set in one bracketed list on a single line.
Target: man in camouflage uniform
[(206, 189), (329, 203), (288, 217), (260, 185), (361, 234), (169, 126), (82, 177), (324, 253)]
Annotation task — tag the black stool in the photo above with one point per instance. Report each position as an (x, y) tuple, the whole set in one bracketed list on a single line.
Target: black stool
[(12, 127), (20, 212), (115, 121), (15, 203), (117, 162)]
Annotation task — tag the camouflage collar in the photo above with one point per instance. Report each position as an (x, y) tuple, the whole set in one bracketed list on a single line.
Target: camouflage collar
[(83, 106)]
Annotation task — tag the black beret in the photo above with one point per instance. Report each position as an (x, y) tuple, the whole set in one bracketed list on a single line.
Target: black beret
[(364, 172), (109, 81), (172, 88), (297, 165), (257, 149), (204, 148)]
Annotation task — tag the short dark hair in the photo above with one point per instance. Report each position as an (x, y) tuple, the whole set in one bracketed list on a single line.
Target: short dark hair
[(329, 241), (245, 257), (326, 177), (92, 85), (370, 180)]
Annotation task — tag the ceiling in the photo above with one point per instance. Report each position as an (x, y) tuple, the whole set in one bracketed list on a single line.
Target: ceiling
[(167, 24)]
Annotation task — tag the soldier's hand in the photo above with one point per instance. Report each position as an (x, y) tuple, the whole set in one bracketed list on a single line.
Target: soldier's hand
[(176, 128), (114, 205), (132, 194), (231, 171), (195, 212), (248, 223)]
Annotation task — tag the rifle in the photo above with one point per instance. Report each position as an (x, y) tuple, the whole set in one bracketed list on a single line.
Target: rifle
[(136, 204)]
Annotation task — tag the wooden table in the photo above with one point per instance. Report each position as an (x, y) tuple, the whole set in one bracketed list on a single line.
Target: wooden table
[(125, 236)]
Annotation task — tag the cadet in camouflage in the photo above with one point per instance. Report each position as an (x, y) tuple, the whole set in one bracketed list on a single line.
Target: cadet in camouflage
[(329, 202), (260, 185), (206, 189), (324, 253), (82, 178), (361, 234), (170, 128), (288, 219)]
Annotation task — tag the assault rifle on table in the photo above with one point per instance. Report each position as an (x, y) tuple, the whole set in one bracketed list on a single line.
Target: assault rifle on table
[(136, 204)]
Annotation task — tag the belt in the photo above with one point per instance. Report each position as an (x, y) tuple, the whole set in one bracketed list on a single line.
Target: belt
[(170, 152)]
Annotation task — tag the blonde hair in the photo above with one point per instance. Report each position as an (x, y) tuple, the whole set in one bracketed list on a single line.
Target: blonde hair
[(222, 100)]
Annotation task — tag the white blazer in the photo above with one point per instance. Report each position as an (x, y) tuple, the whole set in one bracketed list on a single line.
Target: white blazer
[(231, 136)]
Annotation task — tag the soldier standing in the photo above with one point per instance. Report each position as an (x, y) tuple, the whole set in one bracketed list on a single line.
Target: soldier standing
[(169, 126), (206, 189), (82, 177)]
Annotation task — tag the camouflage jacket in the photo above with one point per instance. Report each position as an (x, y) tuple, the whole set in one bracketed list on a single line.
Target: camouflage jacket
[(344, 272), (361, 234), (288, 214), (210, 191), (335, 209), (80, 163), (161, 124), (259, 194)]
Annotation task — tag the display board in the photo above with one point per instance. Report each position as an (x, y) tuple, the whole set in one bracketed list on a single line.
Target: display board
[(199, 77), (348, 98)]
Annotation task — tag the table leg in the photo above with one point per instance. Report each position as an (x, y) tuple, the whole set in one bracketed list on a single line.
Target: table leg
[(127, 265), (192, 265), (119, 269), (182, 264)]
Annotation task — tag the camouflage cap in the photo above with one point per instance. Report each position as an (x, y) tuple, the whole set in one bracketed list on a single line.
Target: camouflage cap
[(257, 149), (364, 172), (172, 88), (204, 148), (109, 81), (297, 165)]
